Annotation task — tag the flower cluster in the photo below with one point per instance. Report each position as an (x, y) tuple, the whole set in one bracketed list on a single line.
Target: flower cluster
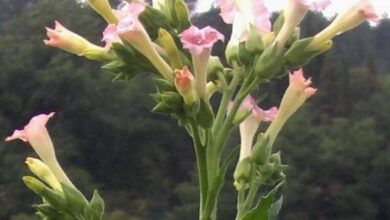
[(160, 39)]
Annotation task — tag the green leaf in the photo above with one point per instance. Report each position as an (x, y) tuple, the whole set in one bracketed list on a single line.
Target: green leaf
[(263, 207), (275, 209)]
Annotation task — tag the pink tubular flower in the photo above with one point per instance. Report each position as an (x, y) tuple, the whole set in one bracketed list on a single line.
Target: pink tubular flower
[(110, 36), (36, 134), (243, 15), (251, 123), (315, 5), (130, 29), (197, 40), (297, 93), (294, 12), (73, 43), (128, 14), (362, 11)]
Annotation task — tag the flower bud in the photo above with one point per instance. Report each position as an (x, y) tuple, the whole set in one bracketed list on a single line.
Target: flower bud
[(243, 173), (214, 67), (103, 8), (205, 116), (73, 43), (270, 63), (301, 52), (34, 184), (42, 171), (254, 44), (182, 14), (185, 85), (169, 45), (261, 150), (231, 52), (353, 17)]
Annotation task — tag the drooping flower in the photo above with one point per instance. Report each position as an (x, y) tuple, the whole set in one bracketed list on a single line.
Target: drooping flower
[(71, 42), (36, 134), (103, 8), (199, 42), (185, 85), (294, 12), (354, 16), (244, 15), (131, 30), (296, 94), (251, 123)]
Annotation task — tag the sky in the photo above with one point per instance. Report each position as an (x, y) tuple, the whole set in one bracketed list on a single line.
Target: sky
[(337, 6)]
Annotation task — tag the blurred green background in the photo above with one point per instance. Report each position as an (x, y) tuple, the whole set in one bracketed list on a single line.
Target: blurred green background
[(337, 146)]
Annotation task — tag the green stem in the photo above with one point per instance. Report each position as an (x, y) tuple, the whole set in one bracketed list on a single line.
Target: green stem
[(200, 153)]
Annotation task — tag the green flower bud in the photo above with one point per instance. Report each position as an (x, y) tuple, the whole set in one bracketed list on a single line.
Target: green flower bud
[(270, 63), (261, 150), (182, 14), (301, 52), (205, 117), (214, 67), (243, 173), (169, 45), (42, 171)]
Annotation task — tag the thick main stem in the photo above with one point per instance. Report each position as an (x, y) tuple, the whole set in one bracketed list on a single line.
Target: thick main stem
[(200, 153)]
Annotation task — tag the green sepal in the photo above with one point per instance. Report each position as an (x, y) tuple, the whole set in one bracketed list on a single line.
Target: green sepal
[(128, 62), (263, 210), (261, 150), (54, 198), (75, 199), (205, 116), (244, 56), (243, 173), (254, 44), (278, 24), (153, 19), (270, 64), (300, 53), (163, 85), (95, 210), (182, 15), (214, 67), (172, 99), (162, 108), (46, 210)]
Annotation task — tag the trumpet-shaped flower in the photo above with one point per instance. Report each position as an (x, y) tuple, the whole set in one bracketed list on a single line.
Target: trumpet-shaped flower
[(297, 93), (131, 30), (71, 42), (354, 16), (110, 36), (244, 15), (294, 12), (251, 123), (199, 42), (185, 85), (36, 134)]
